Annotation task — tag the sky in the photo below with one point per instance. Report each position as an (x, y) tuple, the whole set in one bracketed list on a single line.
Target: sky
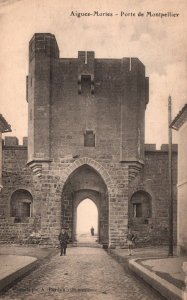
[(160, 43)]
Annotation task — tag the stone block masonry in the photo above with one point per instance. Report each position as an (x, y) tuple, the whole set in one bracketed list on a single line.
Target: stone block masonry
[(86, 120), (50, 206), (153, 179)]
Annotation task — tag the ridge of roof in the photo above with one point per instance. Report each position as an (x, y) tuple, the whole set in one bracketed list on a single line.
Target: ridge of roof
[(180, 118), (4, 126)]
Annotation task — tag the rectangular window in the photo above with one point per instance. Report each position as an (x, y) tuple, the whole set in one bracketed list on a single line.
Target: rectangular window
[(31, 115), (86, 84), (25, 212), (89, 139), (137, 210)]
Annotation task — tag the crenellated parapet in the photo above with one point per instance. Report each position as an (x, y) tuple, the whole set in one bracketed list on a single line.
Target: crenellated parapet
[(4, 127), (43, 44), (13, 141), (150, 149), (163, 148)]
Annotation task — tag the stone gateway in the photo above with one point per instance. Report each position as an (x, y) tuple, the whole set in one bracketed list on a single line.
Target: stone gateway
[(86, 127)]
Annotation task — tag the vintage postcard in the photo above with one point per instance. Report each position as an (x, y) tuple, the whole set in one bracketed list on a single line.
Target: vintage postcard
[(93, 141)]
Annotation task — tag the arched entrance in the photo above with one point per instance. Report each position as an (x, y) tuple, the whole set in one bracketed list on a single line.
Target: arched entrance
[(87, 222), (83, 183)]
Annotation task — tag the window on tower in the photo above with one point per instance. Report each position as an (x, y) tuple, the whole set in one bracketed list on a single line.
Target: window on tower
[(137, 210), (89, 139), (85, 84)]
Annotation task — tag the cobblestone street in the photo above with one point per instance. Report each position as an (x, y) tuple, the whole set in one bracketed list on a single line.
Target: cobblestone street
[(85, 273)]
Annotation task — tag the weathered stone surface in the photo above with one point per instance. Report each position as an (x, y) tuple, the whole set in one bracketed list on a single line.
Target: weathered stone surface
[(67, 99), (84, 273)]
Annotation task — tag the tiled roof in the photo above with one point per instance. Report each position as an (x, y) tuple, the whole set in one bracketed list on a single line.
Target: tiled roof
[(4, 126), (180, 119)]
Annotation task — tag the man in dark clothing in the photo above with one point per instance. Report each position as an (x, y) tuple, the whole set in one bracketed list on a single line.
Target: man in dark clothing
[(92, 231), (63, 238)]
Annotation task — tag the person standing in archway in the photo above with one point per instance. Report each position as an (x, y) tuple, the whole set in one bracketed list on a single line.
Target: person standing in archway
[(63, 239), (92, 231)]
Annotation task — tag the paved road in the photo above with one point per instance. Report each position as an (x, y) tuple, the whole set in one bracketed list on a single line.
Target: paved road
[(84, 274)]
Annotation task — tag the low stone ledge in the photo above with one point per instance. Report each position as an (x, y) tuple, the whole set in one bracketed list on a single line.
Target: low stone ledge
[(164, 287), (8, 276), (184, 267)]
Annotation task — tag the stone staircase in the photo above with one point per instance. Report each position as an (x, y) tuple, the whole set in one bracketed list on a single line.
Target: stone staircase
[(86, 240), (90, 245)]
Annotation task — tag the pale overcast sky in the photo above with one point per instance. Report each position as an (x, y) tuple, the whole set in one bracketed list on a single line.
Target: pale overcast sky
[(160, 43)]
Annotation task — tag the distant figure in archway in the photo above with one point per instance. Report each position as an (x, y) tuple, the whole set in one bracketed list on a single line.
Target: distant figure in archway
[(92, 231), (63, 239)]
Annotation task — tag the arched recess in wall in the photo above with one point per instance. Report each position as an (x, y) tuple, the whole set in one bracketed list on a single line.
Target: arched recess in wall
[(140, 208), (69, 171), (21, 205)]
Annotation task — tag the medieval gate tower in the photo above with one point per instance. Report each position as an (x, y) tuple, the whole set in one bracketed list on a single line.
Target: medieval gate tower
[(85, 137)]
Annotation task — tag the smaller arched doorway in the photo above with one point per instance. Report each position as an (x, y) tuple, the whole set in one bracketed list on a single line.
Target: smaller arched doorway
[(87, 222)]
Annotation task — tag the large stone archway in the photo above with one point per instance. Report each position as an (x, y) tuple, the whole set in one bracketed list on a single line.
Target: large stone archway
[(69, 171), (85, 182)]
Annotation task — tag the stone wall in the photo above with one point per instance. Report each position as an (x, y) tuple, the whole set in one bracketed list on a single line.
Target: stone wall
[(48, 193), (69, 96), (17, 176), (154, 180), (4, 127)]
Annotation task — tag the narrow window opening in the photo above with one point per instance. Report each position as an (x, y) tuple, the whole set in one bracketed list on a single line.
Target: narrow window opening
[(86, 84), (86, 57), (137, 210), (89, 139), (31, 115)]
